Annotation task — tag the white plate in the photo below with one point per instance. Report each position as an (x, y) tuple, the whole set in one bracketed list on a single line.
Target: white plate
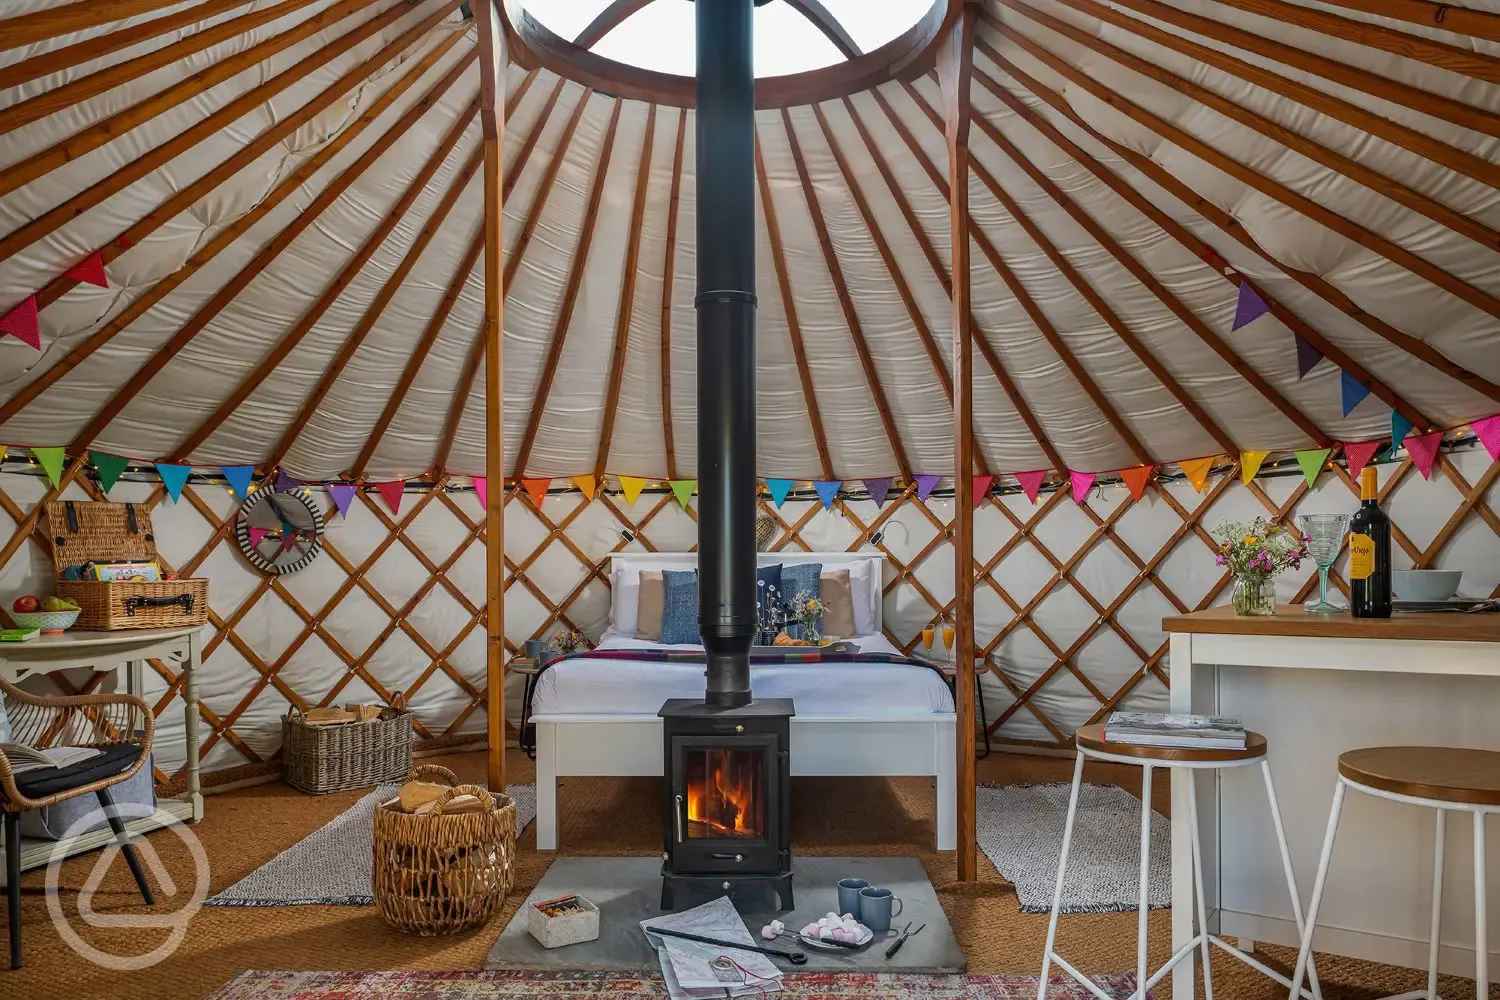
[(866, 936)]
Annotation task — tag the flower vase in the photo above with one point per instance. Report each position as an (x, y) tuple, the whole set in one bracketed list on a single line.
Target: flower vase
[(1254, 596)]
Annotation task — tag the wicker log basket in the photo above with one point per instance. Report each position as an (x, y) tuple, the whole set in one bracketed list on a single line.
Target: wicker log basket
[(441, 874), (322, 759)]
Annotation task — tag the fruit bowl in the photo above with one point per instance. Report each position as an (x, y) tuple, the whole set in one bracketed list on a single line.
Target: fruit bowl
[(47, 621)]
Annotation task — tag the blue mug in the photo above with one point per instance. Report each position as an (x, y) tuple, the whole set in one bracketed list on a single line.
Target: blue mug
[(849, 890), (875, 908)]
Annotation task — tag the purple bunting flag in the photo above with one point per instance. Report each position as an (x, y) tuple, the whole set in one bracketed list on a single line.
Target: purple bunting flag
[(1250, 306), (343, 496), (1308, 356), (925, 486), (879, 489)]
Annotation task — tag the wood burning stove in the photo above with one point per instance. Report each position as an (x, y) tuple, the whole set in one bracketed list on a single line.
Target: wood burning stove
[(727, 825)]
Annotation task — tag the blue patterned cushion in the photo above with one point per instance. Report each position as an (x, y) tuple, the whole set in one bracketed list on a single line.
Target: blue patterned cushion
[(767, 579), (679, 615), (798, 579)]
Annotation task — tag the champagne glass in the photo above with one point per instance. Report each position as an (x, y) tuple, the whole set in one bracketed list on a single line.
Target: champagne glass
[(948, 634), (927, 634), (1325, 539)]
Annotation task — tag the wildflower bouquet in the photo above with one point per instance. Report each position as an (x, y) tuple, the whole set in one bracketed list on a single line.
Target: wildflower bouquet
[(809, 611), (1255, 551), (568, 641)]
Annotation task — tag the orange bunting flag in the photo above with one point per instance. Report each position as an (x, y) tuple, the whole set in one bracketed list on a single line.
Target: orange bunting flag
[(392, 492), (89, 270), (1136, 479), (1197, 470), (536, 489), (1250, 463), (587, 484), (631, 486)]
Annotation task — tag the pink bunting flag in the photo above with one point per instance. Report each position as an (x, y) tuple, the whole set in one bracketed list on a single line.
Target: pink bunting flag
[(1358, 455), (1031, 482), (257, 535), (288, 538), (1488, 432), (21, 323), (981, 486), (343, 496), (392, 492), (482, 491), (1135, 479), (1423, 449), (1082, 483), (1249, 308), (925, 486), (89, 270)]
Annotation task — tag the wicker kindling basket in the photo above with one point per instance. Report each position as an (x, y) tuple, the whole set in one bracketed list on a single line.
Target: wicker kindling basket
[(323, 759), (437, 873)]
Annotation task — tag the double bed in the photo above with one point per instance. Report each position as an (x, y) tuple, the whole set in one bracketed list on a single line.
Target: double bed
[(596, 716)]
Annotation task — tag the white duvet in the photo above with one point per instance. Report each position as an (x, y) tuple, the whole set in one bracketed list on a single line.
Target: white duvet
[(599, 686)]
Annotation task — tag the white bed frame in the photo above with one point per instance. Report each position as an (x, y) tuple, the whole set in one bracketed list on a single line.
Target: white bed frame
[(922, 744)]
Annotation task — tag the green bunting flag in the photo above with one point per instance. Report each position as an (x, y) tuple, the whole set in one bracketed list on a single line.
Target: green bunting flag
[(109, 468), (1312, 463), (683, 490), (52, 462)]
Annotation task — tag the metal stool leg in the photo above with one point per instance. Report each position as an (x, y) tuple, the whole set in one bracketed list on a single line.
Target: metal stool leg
[(1062, 867), (1434, 936), (1140, 931), (1286, 868), (1208, 975), (1481, 917), (1305, 952)]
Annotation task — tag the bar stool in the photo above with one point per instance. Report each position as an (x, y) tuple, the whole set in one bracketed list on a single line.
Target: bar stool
[(1092, 746), (1441, 778)]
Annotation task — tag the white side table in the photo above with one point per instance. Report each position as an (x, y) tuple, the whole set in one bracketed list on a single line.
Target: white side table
[(103, 650)]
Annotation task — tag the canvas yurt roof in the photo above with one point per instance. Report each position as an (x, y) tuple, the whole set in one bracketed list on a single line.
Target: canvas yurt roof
[(1178, 210)]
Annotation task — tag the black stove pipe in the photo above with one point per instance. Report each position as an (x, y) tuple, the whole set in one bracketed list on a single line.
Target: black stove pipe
[(726, 345)]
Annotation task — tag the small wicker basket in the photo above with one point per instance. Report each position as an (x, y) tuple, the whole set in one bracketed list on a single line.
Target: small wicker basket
[(323, 759), (440, 874)]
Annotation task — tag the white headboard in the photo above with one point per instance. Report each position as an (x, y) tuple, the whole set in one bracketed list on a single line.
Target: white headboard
[(630, 565)]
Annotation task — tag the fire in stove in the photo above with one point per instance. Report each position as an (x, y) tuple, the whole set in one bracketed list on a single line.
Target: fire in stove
[(725, 795)]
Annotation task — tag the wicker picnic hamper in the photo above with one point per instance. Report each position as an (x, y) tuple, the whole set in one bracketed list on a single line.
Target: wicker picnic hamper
[(436, 873), (111, 533), (323, 759)]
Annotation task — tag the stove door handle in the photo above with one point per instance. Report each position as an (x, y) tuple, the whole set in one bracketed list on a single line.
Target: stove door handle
[(677, 815)]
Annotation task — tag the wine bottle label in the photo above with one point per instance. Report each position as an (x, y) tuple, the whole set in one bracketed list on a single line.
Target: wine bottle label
[(1361, 556)]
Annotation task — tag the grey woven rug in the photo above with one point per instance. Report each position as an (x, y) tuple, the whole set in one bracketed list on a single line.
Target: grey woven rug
[(1021, 831), (332, 864)]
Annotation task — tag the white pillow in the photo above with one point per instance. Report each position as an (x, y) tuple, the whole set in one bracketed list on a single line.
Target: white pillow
[(864, 592), (625, 601)]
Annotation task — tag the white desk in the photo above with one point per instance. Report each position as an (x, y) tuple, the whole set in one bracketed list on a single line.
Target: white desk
[(104, 650), (1339, 683)]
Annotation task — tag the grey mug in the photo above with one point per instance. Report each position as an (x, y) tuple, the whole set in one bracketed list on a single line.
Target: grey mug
[(535, 648), (849, 889), (876, 908)]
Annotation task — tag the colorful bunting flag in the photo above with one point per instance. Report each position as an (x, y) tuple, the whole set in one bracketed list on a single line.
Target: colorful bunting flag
[(21, 323), (286, 482), (879, 489), (288, 536), (1312, 461), (239, 477), (1249, 308), (683, 490), (828, 491), (925, 486), (109, 468), (1136, 479), (1308, 356), (1250, 463), (1031, 482), (174, 478), (52, 463), (1352, 390), (1358, 455), (978, 487), (536, 489), (780, 489), (1400, 427), (481, 490), (1487, 430), (1196, 470), (1423, 449), (631, 487), (588, 484), (392, 492), (343, 496), (257, 535), (90, 270), (1082, 483)]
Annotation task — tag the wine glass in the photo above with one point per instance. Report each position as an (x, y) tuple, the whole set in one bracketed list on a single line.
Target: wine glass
[(1325, 539), (927, 634), (948, 634)]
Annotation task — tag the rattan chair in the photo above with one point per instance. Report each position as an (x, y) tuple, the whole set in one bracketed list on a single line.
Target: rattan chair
[(119, 725)]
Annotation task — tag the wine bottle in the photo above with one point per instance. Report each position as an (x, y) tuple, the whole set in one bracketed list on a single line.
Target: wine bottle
[(1369, 554)]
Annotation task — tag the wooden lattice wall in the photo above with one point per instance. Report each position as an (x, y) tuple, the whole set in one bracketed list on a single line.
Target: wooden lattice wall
[(1068, 610)]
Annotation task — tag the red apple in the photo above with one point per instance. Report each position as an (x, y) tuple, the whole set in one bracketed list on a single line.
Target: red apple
[(27, 604)]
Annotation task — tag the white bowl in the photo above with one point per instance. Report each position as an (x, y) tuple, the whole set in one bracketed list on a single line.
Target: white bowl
[(1425, 584), (47, 621)]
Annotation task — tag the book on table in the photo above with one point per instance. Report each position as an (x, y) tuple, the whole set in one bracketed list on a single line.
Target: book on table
[(1188, 732), (23, 758)]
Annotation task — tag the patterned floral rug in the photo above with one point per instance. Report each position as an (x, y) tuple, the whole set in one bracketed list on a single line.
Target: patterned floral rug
[(255, 985)]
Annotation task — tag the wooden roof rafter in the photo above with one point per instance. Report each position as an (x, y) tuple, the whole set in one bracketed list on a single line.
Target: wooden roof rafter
[(789, 311), (81, 15), (824, 20), (669, 259), (1431, 14), (544, 190), (576, 268), (607, 20), (846, 302), (1179, 232)]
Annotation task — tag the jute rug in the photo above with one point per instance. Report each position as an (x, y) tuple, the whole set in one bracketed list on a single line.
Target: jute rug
[(1021, 831), (331, 865), (628, 986)]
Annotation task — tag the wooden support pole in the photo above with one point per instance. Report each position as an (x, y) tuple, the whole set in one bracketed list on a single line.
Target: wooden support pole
[(491, 79), (955, 74)]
